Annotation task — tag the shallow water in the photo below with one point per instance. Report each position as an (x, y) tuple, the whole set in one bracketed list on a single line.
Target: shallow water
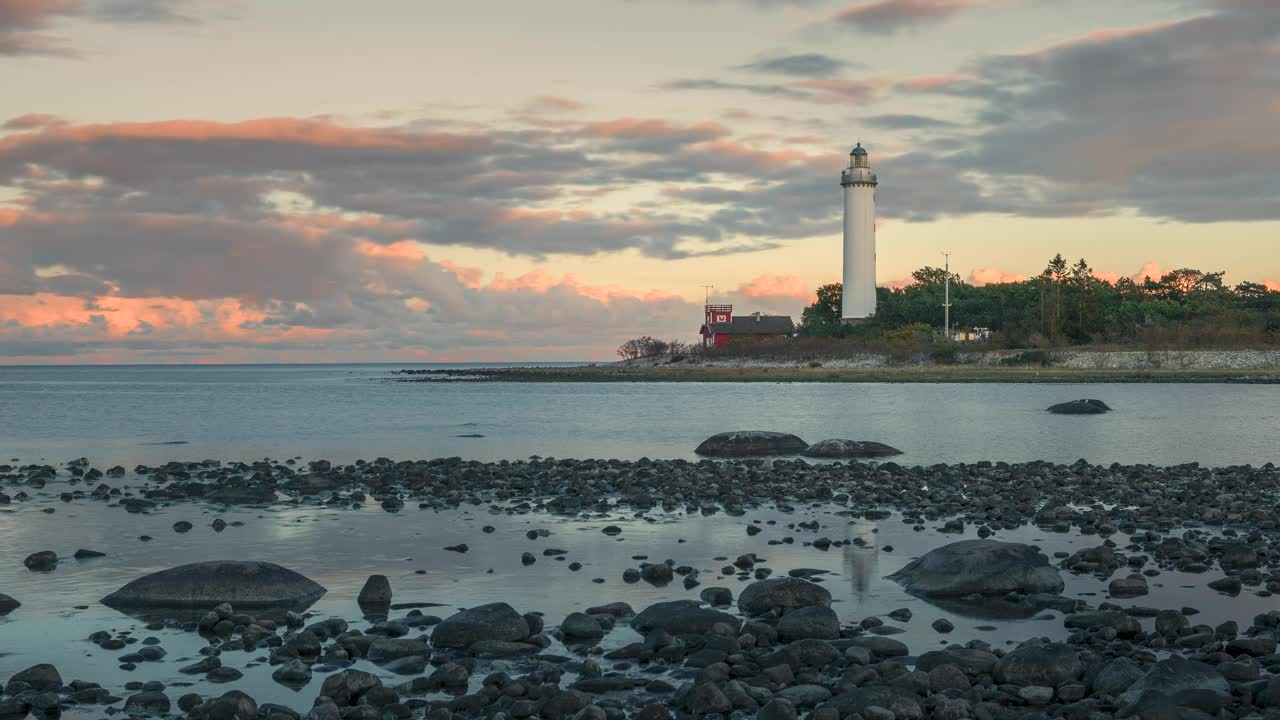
[(344, 412), (341, 548), (127, 415)]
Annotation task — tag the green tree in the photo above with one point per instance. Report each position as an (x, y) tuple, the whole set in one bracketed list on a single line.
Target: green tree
[(822, 318)]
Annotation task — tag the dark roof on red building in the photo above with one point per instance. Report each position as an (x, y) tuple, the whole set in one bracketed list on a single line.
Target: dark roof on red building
[(754, 325)]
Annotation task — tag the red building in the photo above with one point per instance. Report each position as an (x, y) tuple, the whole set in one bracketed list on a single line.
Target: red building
[(719, 325)]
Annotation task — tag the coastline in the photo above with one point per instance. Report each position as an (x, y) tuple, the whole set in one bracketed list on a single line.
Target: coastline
[(792, 374)]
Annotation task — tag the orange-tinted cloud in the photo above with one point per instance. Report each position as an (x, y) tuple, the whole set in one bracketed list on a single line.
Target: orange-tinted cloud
[(1272, 285), (1149, 270), (648, 128), (993, 276), (405, 250), (299, 131), (775, 286)]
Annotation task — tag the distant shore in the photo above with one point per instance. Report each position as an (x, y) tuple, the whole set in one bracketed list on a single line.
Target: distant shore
[(1068, 366), (932, 374)]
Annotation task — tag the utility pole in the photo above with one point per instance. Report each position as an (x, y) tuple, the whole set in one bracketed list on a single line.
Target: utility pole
[(946, 303)]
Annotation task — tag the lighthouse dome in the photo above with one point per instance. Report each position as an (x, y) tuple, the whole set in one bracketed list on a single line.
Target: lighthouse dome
[(859, 150)]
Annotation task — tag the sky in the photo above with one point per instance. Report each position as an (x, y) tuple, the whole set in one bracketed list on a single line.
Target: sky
[(196, 181)]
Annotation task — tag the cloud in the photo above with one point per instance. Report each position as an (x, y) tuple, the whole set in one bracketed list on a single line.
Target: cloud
[(553, 104), (1148, 271), (32, 121), (993, 276), (287, 238), (1272, 285), (1173, 120), (885, 17), (23, 22), (775, 286), (766, 89), (905, 122), (811, 89), (799, 65)]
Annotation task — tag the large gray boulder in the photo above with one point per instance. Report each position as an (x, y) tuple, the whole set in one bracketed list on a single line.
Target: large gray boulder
[(849, 449), (682, 617), (1117, 676), (780, 594), (979, 567), (243, 584), (495, 621), (1048, 665), (1080, 407), (1177, 675), (7, 604), (747, 443), (817, 622)]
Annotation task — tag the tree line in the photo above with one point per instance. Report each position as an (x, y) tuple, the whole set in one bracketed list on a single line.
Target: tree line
[(1067, 304)]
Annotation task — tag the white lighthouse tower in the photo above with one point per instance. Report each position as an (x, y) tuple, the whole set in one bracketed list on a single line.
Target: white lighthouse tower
[(859, 183)]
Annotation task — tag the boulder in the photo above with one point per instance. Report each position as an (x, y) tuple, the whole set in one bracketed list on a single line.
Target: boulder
[(495, 621), (1049, 664), (1116, 676), (717, 596), (1129, 587), (385, 650), (43, 678), (849, 449), (234, 705), (682, 617), (899, 701), (147, 703), (1079, 407), (817, 621), (786, 593), (243, 584), (346, 687), (747, 443), (7, 604), (42, 561), (376, 591), (881, 647), (979, 567), (580, 626), (1176, 675), (972, 661), (1124, 625)]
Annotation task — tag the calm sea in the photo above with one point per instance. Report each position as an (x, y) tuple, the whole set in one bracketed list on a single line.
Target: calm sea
[(343, 412)]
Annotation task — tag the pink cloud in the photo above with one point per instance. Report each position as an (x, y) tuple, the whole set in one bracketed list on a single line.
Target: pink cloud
[(404, 250), (931, 83), (993, 276), (642, 129), (298, 131), (467, 276), (775, 286), (1272, 285), (1148, 270)]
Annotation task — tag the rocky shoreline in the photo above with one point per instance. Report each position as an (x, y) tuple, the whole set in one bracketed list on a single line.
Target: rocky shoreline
[(775, 648)]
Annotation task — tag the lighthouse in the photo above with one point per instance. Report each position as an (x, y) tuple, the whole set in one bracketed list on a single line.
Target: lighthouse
[(859, 183)]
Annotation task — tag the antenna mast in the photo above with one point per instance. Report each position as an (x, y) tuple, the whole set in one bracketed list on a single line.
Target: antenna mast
[(946, 303), (708, 288)]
